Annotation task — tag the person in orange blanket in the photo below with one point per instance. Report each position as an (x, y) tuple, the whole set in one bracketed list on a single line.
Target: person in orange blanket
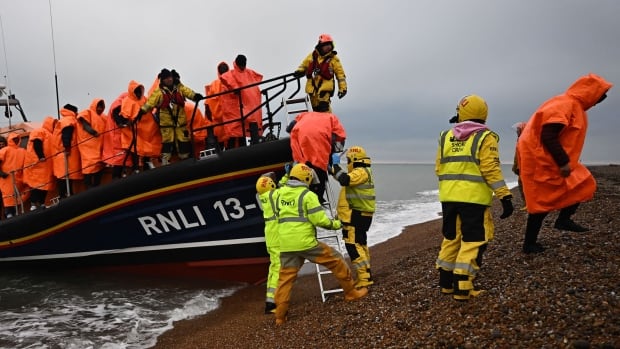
[(142, 139), (38, 165), (91, 125), (248, 98), (213, 106), (11, 174), (67, 161), (113, 153), (549, 151), (315, 135)]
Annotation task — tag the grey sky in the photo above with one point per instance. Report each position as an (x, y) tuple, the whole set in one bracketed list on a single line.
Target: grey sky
[(407, 62)]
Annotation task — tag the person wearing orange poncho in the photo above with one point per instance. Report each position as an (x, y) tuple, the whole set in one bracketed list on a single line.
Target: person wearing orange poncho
[(38, 165), (213, 107), (195, 122), (240, 76), (113, 153), (169, 99), (67, 162), (142, 138), (549, 150), (11, 174), (315, 136), (90, 142)]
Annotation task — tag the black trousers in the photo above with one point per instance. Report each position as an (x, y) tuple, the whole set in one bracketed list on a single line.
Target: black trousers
[(535, 221)]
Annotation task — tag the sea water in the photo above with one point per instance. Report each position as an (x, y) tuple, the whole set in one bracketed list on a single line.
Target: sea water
[(85, 310)]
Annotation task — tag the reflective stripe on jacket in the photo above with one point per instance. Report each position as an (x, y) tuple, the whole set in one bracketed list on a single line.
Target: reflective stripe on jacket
[(468, 170), (360, 193), (271, 220), (299, 213)]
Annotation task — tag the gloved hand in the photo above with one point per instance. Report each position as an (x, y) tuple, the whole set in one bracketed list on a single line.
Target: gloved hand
[(333, 169), (342, 94), (290, 126), (336, 224), (287, 167), (336, 158), (507, 207), (298, 73), (198, 97)]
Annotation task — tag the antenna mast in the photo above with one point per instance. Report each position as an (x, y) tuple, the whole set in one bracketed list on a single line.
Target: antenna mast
[(6, 76), (54, 55)]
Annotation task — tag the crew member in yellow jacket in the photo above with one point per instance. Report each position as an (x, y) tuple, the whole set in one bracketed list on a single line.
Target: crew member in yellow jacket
[(169, 99), (266, 189), (356, 206), (320, 67), (299, 213), (469, 172)]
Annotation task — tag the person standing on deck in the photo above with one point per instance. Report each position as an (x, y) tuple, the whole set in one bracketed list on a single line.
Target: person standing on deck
[(549, 151), (67, 162), (356, 206), (320, 67), (250, 98), (469, 172), (141, 138), (11, 174), (169, 99), (91, 125), (213, 106), (38, 169), (299, 214)]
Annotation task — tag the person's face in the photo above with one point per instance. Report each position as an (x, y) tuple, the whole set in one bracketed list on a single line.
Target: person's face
[(168, 81), (100, 108), (325, 48)]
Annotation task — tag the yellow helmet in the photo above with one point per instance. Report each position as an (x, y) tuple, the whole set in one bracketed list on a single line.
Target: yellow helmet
[(472, 107), (302, 173), (357, 154), (265, 184)]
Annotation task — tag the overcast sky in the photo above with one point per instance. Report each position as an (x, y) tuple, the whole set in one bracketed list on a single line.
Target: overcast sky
[(408, 62)]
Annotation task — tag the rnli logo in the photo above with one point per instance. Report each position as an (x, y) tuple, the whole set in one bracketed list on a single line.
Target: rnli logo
[(287, 203)]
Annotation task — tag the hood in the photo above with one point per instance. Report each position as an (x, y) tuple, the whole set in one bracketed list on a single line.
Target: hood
[(588, 90), (464, 129), (93, 104), (67, 113), (49, 123), (133, 84), (12, 140)]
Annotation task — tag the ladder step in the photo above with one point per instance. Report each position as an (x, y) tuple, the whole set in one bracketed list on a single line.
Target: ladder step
[(333, 291)]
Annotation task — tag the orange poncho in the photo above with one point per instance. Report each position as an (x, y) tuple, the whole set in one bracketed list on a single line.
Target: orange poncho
[(544, 188), (311, 138), (11, 162), (89, 145), (39, 174), (73, 161), (251, 98)]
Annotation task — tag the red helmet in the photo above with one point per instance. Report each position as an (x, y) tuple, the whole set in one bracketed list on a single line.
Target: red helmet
[(325, 38)]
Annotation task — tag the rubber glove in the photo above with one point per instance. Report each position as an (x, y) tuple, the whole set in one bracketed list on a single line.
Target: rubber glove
[(507, 207)]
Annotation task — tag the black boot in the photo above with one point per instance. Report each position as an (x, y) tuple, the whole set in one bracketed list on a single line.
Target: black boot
[(569, 225), (270, 308), (532, 227)]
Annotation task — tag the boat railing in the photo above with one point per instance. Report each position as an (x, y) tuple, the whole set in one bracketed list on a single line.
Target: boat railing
[(271, 89)]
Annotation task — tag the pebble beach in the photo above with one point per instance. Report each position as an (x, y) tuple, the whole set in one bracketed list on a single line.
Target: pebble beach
[(566, 297)]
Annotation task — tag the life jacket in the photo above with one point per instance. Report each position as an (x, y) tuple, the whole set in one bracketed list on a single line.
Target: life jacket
[(322, 69), (168, 97), (460, 179), (362, 197)]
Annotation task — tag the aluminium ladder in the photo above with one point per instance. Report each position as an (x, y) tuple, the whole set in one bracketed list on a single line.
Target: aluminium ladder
[(336, 243)]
